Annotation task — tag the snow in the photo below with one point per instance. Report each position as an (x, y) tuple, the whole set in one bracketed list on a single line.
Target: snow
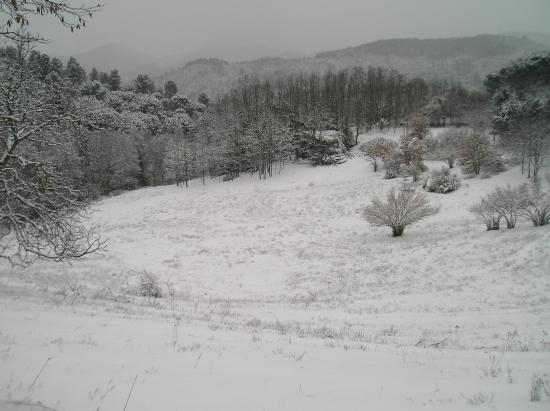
[(287, 299)]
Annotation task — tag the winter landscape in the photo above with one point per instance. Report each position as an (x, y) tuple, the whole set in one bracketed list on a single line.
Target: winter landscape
[(223, 229)]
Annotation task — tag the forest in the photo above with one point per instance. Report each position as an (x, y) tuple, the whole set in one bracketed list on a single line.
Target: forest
[(70, 137)]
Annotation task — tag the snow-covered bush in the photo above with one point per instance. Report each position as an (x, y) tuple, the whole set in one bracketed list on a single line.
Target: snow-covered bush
[(536, 206), (378, 148), (401, 208), (539, 386), (93, 88), (511, 203), (396, 167), (328, 153), (442, 181), (446, 146), (486, 211), (393, 165), (149, 286), (508, 203), (411, 148)]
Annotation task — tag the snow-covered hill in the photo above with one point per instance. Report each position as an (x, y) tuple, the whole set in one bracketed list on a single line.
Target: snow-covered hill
[(283, 298), (465, 59)]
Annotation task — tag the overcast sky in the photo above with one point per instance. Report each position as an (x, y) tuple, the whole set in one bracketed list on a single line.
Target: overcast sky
[(163, 27)]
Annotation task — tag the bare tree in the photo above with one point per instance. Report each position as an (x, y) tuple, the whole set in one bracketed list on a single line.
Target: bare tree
[(473, 152), (378, 148), (402, 208), (41, 214), (447, 145), (17, 14), (181, 159)]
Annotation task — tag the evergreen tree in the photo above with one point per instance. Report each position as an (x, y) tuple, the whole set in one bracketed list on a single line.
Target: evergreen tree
[(203, 99), (143, 84), (114, 80), (94, 74), (74, 71), (170, 89), (104, 78), (56, 65)]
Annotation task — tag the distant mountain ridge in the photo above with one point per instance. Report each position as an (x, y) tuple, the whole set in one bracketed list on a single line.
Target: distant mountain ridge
[(483, 45), (465, 59)]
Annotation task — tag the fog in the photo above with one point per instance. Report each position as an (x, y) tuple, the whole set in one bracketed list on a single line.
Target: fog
[(163, 27)]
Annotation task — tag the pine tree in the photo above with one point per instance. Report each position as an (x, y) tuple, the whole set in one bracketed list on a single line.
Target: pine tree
[(143, 84), (74, 71), (114, 80), (170, 89), (94, 75)]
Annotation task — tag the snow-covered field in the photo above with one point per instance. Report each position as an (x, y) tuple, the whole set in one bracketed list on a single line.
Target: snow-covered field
[(284, 299)]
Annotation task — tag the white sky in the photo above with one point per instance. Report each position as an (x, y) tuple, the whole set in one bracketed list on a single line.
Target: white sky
[(162, 27)]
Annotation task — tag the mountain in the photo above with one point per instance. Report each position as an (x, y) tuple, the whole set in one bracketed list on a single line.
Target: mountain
[(200, 76), (228, 51), (465, 59), (128, 61), (540, 38), (481, 46)]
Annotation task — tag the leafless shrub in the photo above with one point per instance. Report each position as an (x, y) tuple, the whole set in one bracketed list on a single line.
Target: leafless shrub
[(536, 207), (493, 370), (378, 148), (487, 213), (480, 398), (507, 202), (511, 203), (539, 386), (402, 208), (447, 144), (509, 378)]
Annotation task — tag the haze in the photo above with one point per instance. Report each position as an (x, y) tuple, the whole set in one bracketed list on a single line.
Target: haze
[(164, 27)]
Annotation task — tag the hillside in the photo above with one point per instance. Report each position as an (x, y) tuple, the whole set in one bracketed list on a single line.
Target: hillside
[(467, 59), (278, 295), (481, 46)]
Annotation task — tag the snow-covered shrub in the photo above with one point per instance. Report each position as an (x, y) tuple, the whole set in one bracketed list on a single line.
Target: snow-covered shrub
[(93, 88), (487, 212), (446, 146), (393, 165), (511, 203), (480, 398), (539, 386), (411, 148), (326, 153), (149, 286), (493, 164), (401, 208), (415, 169), (396, 167), (442, 181), (378, 148), (536, 206), (508, 203)]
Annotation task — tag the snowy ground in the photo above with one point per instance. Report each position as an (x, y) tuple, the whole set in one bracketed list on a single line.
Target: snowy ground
[(286, 299)]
